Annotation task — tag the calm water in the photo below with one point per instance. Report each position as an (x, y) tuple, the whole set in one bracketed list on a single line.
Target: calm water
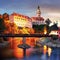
[(55, 55)]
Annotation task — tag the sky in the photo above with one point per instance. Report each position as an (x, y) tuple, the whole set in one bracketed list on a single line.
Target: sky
[(49, 8)]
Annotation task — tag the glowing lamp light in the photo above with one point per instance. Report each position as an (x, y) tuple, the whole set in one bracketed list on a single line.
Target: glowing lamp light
[(45, 30)]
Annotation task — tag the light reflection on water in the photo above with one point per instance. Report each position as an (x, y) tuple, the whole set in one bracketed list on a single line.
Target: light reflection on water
[(52, 54), (32, 54), (49, 51), (55, 55)]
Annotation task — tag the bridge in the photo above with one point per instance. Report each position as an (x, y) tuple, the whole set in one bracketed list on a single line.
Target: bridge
[(26, 35)]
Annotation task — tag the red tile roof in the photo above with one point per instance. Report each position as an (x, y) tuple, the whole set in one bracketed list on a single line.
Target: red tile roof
[(38, 18), (17, 14)]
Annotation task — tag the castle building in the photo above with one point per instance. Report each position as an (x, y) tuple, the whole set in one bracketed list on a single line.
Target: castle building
[(25, 21), (21, 20), (38, 19)]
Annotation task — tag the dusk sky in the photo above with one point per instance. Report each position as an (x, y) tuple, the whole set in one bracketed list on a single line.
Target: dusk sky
[(49, 8)]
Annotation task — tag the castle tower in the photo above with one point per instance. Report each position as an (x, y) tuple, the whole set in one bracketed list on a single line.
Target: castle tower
[(38, 11), (38, 19)]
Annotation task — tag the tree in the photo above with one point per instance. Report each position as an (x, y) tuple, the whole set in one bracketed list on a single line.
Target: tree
[(48, 21), (54, 37), (2, 26), (38, 28), (6, 16)]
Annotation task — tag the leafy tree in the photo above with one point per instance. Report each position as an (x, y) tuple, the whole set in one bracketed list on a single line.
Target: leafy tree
[(54, 37), (38, 28), (2, 26), (48, 21), (6, 16)]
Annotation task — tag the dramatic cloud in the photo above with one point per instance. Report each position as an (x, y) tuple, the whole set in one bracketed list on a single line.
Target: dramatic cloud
[(49, 8)]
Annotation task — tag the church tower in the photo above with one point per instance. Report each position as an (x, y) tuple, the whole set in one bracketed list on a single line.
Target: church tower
[(38, 11)]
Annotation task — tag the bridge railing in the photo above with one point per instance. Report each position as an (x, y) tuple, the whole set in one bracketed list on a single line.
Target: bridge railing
[(25, 35)]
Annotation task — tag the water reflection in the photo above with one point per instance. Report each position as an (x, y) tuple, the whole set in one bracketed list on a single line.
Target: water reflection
[(34, 53), (44, 57), (55, 55), (49, 51), (45, 49)]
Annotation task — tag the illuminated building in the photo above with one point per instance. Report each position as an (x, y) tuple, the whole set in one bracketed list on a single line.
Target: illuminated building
[(21, 20), (38, 19)]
